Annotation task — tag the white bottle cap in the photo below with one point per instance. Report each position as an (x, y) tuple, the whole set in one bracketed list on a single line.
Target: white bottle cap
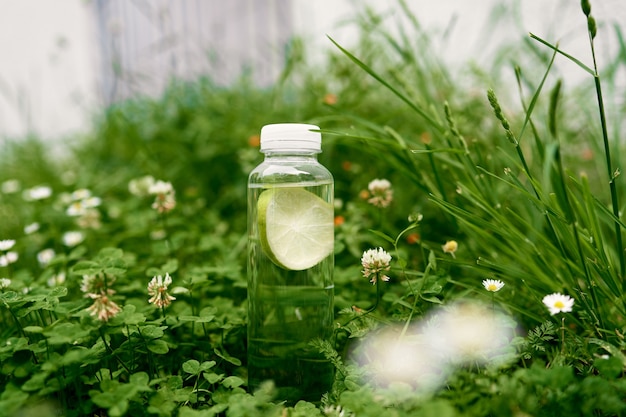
[(291, 137)]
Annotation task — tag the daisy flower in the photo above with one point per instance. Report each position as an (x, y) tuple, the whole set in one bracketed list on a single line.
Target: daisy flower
[(558, 303), (493, 285)]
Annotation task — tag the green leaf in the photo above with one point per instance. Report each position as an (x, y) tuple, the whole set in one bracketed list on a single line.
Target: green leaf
[(227, 357), (33, 329), (152, 332), (158, 346), (128, 316), (232, 382), (192, 367), (86, 268), (170, 266), (212, 377), (140, 381), (384, 236), (205, 366), (433, 300), (197, 319), (13, 400), (36, 382), (110, 253)]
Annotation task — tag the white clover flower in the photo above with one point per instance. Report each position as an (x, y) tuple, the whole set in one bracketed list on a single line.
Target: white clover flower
[(161, 187), (45, 256), (493, 285), (450, 247), (29, 229), (103, 308), (40, 192), (381, 193), (55, 280), (93, 286), (157, 289), (4, 283), (73, 238), (375, 261), (10, 186), (4, 261), (6, 244), (165, 200), (92, 202), (141, 186), (558, 303)]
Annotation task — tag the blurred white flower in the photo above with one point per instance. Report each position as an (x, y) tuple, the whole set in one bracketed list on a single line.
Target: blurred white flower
[(83, 204), (141, 186), (4, 283), (76, 208), (81, 194), (40, 192), (374, 262), (336, 411), (45, 256), (161, 187), (381, 193), (92, 202), (10, 186), (6, 244), (165, 200), (558, 303), (29, 229), (425, 353), (11, 257), (73, 238), (387, 357), (90, 219), (57, 279), (158, 234), (470, 332), (493, 285)]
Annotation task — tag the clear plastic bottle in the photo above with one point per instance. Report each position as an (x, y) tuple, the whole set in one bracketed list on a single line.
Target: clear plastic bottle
[(290, 264)]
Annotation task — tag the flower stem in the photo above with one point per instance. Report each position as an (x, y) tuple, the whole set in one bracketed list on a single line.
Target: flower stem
[(562, 335)]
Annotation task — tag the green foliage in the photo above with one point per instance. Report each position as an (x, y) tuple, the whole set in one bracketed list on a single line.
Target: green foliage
[(83, 332)]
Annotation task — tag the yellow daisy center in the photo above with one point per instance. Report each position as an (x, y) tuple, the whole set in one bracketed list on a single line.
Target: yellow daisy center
[(559, 304), (492, 287)]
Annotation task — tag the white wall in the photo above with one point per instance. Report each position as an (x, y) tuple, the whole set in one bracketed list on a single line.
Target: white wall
[(50, 65), (47, 70)]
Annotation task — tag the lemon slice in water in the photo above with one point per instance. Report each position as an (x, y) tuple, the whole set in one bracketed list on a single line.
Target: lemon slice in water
[(295, 226)]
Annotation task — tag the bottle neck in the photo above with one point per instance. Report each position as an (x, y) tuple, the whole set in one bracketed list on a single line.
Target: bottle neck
[(291, 155)]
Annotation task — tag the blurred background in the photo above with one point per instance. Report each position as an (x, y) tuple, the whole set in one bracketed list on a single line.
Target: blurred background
[(63, 61)]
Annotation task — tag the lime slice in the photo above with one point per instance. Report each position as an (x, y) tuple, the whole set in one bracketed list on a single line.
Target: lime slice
[(295, 226)]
